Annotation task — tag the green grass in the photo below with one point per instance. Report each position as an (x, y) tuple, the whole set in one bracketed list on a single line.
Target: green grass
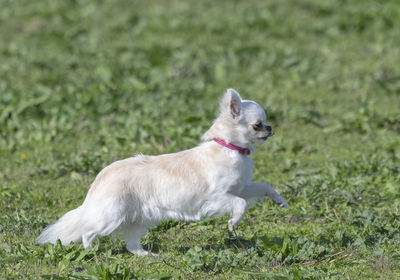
[(84, 83)]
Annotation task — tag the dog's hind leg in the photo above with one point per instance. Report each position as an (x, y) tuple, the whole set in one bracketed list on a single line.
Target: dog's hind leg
[(101, 229), (87, 239), (133, 234), (99, 226)]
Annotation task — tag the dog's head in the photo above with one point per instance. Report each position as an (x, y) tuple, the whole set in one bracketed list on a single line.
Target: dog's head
[(240, 122)]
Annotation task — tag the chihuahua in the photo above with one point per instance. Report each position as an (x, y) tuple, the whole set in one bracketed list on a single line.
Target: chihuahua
[(214, 178)]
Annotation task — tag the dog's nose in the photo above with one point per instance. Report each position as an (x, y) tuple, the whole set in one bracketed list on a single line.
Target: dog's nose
[(268, 128)]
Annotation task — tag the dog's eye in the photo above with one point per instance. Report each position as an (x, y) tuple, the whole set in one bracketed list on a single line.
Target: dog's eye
[(258, 125)]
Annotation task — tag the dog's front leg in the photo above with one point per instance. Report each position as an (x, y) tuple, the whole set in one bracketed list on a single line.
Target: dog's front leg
[(227, 204), (239, 207), (257, 189)]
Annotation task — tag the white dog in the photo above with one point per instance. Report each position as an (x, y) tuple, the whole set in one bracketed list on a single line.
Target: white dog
[(214, 178)]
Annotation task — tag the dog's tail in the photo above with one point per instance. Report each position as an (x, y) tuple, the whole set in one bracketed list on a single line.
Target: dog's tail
[(68, 229)]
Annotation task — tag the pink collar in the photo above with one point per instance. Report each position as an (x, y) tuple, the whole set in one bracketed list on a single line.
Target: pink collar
[(243, 151)]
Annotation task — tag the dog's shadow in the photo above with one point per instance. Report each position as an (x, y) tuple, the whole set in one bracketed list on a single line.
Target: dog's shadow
[(231, 241)]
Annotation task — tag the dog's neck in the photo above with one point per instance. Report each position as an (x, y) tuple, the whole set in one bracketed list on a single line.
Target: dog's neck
[(221, 130), (243, 151), (217, 131)]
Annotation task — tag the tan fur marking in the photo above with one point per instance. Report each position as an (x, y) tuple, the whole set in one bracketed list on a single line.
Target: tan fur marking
[(180, 165), (114, 168)]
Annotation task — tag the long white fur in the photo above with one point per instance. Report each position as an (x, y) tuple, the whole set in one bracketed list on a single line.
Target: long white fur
[(134, 194)]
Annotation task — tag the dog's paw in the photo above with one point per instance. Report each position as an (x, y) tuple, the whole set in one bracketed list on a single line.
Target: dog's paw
[(144, 253), (278, 200), (231, 225)]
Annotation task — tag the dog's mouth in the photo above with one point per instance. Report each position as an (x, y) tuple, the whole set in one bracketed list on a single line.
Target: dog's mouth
[(264, 138)]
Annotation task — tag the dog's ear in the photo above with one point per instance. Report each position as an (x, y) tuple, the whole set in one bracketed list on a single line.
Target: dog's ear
[(231, 103)]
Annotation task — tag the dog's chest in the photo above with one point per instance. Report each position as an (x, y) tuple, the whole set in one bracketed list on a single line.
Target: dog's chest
[(232, 174)]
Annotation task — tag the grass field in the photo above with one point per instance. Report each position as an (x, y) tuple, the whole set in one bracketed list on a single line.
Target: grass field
[(84, 83)]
